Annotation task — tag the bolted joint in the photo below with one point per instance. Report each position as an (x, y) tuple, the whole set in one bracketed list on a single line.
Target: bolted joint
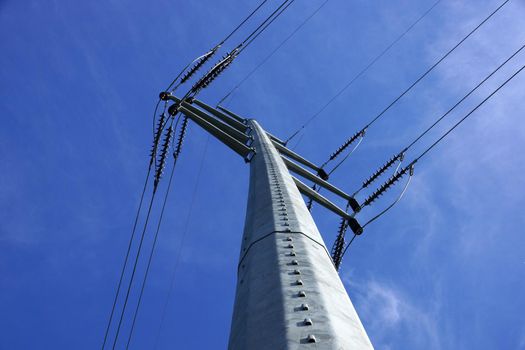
[(164, 95), (173, 109), (322, 174), (355, 226), (352, 202)]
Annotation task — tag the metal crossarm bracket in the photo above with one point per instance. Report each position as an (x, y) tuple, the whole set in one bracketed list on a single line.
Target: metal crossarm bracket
[(233, 115), (237, 146), (232, 131), (307, 191), (228, 119), (276, 139), (310, 176), (291, 154)]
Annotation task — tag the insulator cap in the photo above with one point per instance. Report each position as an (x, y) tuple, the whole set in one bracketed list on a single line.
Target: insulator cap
[(173, 109), (164, 95)]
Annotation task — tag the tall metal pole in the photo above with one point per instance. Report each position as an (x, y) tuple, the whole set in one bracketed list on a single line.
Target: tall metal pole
[(289, 295)]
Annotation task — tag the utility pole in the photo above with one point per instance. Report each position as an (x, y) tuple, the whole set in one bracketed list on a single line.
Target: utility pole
[(289, 294)]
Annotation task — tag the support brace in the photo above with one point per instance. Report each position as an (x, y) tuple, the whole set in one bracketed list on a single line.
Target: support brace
[(308, 175), (232, 131), (237, 146), (307, 191), (233, 115), (291, 154), (223, 116)]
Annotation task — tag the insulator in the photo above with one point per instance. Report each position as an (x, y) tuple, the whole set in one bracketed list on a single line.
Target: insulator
[(309, 204), (197, 65), (310, 200), (338, 247), (381, 170), (346, 144), (163, 154), (156, 137), (215, 71), (385, 186), (182, 133)]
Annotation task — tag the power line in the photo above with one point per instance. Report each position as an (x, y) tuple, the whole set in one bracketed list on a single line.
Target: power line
[(409, 168), (126, 258), (257, 31), (434, 65), (209, 53), (244, 21), (374, 119), (466, 116), (364, 70), (152, 251), (273, 52), (184, 234), (400, 155), (157, 177)]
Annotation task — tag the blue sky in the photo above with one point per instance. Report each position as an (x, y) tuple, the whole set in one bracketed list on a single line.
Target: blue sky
[(445, 269)]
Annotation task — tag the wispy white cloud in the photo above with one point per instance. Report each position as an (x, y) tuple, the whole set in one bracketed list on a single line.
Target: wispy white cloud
[(389, 313)]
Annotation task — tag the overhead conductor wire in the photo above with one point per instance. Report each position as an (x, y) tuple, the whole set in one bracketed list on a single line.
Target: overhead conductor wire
[(137, 255), (183, 239), (200, 61), (230, 93), (431, 68), (119, 285), (409, 168), (153, 247), (363, 71), (400, 155)]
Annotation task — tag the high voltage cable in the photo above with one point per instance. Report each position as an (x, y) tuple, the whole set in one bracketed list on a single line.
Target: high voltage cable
[(277, 15), (364, 70), (434, 66), (126, 258), (373, 120), (137, 255), (152, 247), (203, 58), (159, 169), (225, 62), (258, 30), (221, 42), (246, 19), (410, 166), (151, 163), (179, 252), (466, 116), (273, 52), (400, 155)]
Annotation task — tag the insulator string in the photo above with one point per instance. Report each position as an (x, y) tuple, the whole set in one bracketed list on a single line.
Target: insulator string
[(399, 156), (152, 251)]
